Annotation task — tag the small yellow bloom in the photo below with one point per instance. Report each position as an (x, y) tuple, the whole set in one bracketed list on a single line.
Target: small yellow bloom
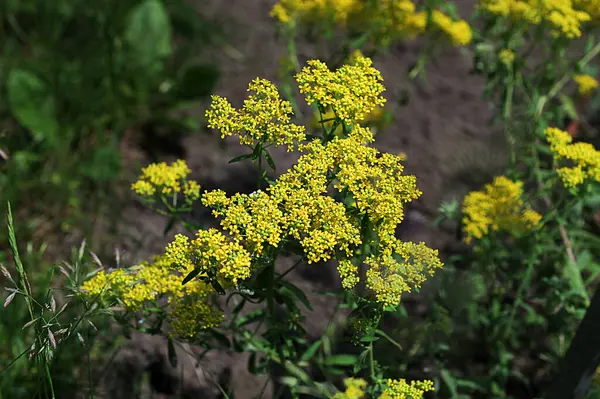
[(506, 56), (400, 389), (352, 92), (584, 157), (355, 389), (562, 15), (498, 207), (160, 178), (265, 117), (586, 84)]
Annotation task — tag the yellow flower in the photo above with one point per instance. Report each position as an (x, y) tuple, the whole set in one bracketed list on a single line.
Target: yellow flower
[(400, 389), (265, 117), (189, 309), (586, 84), (506, 56), (459, 32), (337, 11), (355, 389), (499, 207), (353, 91), (562, 15), (212, 253), (584, 157), (160, 178)]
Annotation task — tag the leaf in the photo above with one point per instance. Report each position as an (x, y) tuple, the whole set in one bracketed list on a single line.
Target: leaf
[(148, 33), (341, 360), (310, 352), (569, 107), (298, 293), (32, 104), (190, 276), (241, 158), (270, 161), (449, 381), (169, 226), (171, 353)]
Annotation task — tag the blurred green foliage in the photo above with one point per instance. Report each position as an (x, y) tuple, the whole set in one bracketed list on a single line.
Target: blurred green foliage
[(74, 75)]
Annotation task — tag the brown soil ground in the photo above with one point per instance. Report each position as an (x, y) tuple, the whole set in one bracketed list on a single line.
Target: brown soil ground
[(443, 130)]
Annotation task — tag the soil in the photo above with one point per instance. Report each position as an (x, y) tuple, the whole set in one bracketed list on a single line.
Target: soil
[(443, 130)]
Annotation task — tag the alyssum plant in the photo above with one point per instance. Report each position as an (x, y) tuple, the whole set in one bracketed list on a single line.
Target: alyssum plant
[(341, 202)]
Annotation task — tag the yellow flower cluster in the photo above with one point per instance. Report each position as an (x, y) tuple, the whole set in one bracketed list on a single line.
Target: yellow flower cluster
[(500, 207), (563, 15), (212, 253), (355, 389), (592, 7), (584, 156), (353, 91), (287, 11), (148, 282), (400, 389), (459, 32), (160, 178), (390, 18), (506, 56), (586, 84), (265, 117), (298, 206)]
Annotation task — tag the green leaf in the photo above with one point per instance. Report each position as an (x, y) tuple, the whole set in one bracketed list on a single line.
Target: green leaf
[(241, 158), (148, 33), (190, 276), (171, 353), (310, 352), (341, 360), (449, 381), (298, 293), (569, 107), (270, 161), (32, 104)]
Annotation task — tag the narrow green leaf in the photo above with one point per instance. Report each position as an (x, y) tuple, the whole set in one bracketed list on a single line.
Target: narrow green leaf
[(270, 161), (310, 352), (341, 360), (190, 276), (241, 158)]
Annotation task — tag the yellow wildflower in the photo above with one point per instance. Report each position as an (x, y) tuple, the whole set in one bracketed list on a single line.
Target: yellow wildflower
[(586, 84), (499, 207), (265, 117), (459, 32), (212, 253), (355, 389), (160, 178), (506, 56), (337, 11), (189, 309), (584, 156), (353, 91), (562, 15), (592, 7), (400, 389)]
